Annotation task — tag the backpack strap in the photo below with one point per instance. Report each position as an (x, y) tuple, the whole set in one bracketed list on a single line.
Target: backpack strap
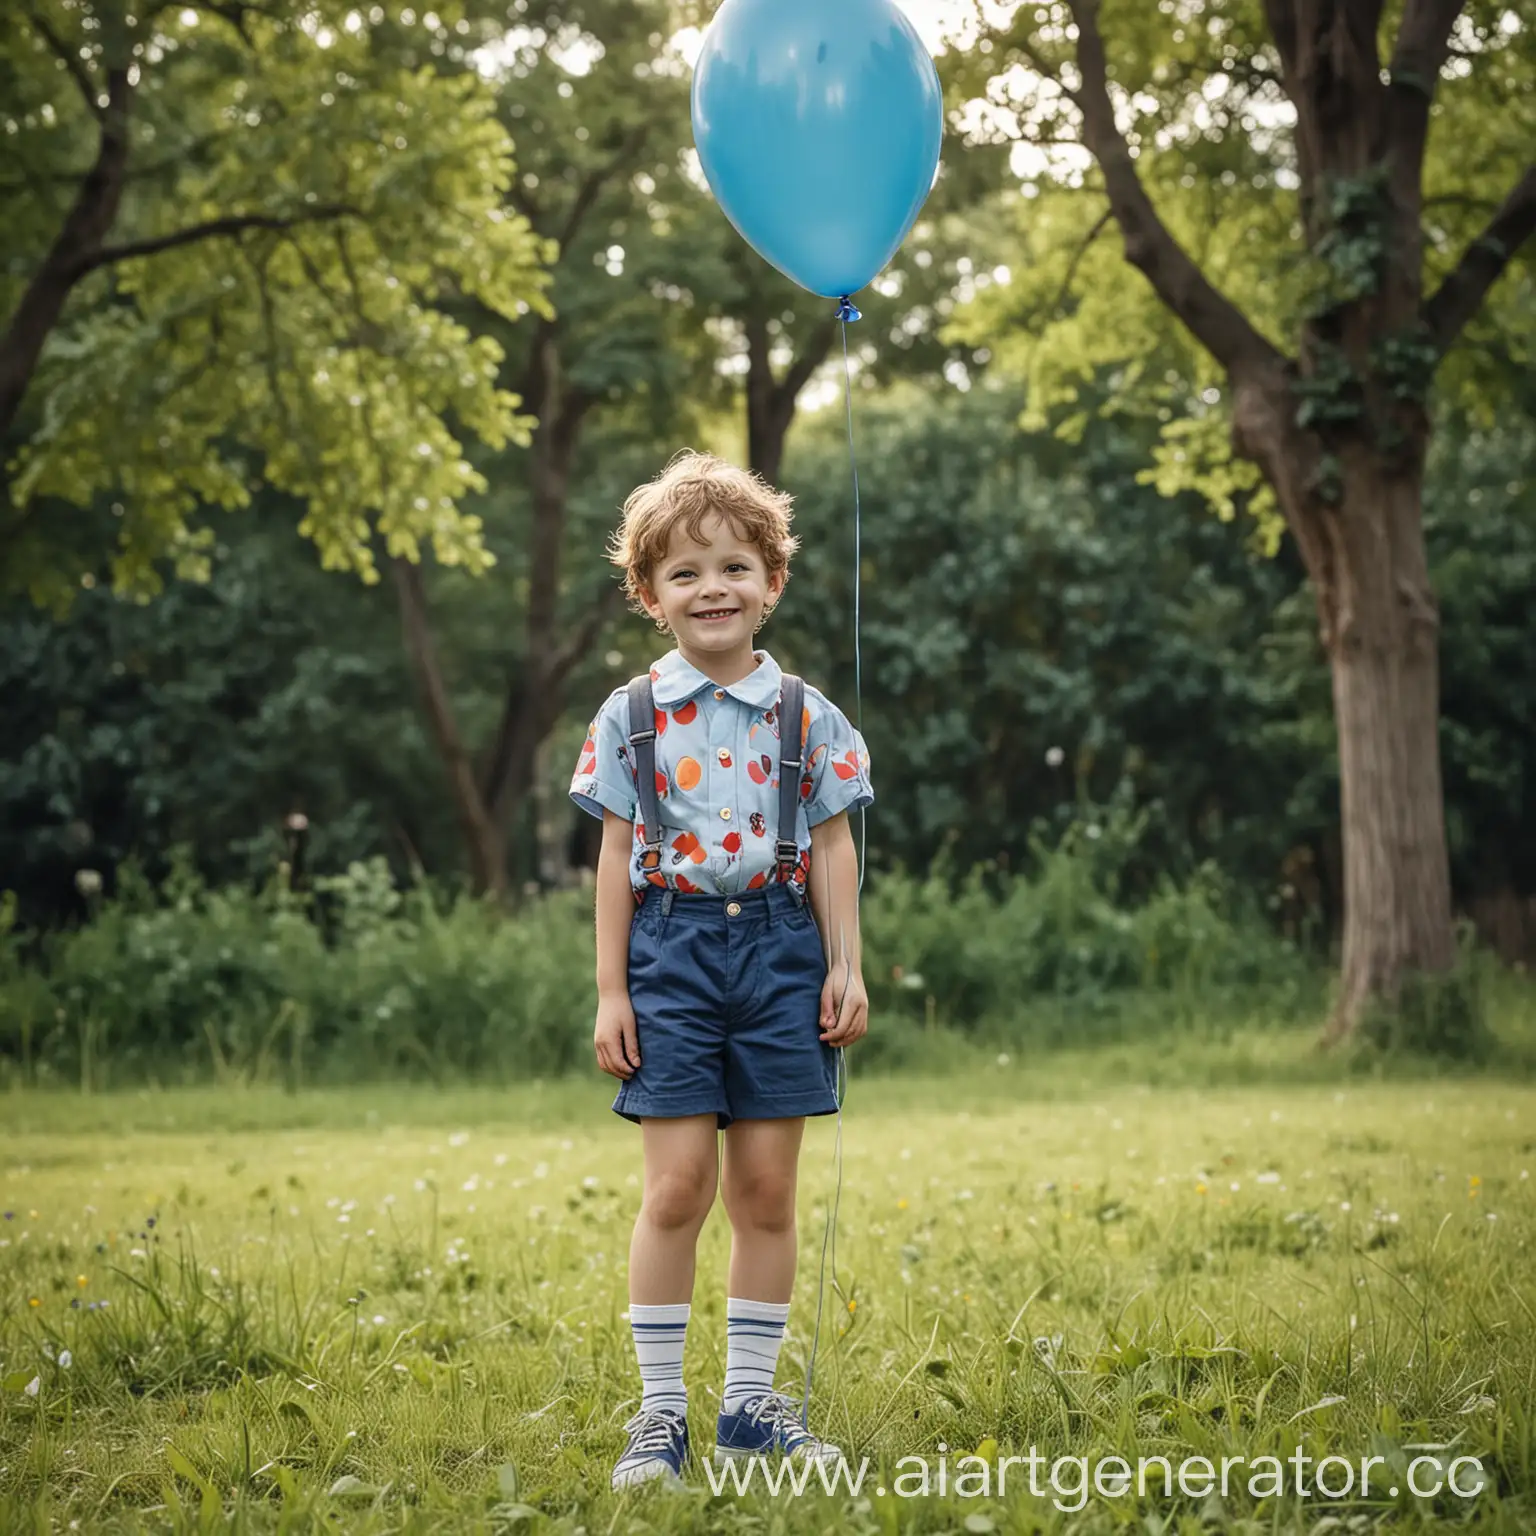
[(791, 750), (642, 741)]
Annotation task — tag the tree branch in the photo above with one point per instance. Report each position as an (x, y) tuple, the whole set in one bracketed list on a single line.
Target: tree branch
[(586, 194), (71, 59), (1077, 260), (1457, 299), (1423, 44), (232, 224), (1210, 316), (798, 375)]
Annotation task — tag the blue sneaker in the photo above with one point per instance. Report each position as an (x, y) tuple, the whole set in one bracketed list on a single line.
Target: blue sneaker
[(766, 1425), (658, 1446)]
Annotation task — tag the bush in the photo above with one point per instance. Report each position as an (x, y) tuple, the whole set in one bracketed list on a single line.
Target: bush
[(361, 979), (1035, 958)]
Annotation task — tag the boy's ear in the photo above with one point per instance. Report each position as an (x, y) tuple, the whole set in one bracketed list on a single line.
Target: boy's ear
[(648, 600), (776, 580)]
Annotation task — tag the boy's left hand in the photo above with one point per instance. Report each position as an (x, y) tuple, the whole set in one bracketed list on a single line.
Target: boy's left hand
[(844, 1007)]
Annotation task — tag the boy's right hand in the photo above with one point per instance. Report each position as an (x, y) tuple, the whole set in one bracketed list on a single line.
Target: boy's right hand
[(616, 1038)]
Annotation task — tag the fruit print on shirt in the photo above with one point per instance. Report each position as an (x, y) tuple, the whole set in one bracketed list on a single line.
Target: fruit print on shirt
[(716, 777)]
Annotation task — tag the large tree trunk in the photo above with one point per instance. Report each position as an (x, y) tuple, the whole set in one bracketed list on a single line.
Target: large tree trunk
[(1340, 430), (1383, 634), (1356, 514)]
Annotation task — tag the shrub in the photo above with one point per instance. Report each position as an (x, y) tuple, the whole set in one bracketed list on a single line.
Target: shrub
[(360, 978)]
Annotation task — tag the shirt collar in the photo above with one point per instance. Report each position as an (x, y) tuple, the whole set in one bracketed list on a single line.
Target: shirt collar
[(674, 680)]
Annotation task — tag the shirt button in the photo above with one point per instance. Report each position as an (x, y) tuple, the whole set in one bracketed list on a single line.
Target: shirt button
[(733, 909), (725, 813), (724, 754), (719, 693)]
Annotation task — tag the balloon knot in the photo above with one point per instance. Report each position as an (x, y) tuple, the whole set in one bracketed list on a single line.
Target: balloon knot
[(846, 311)]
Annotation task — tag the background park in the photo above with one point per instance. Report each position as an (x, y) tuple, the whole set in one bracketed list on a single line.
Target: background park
[(1196, 421)]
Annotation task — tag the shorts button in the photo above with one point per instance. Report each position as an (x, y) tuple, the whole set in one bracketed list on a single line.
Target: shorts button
[(733, 909), (725, 813)]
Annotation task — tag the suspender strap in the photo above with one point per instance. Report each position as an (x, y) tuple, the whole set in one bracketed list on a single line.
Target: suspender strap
[(791, 750), (642, 741)]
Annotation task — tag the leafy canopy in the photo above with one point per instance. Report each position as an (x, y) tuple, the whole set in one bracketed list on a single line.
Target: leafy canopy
[(363, 170), (1196, 88)]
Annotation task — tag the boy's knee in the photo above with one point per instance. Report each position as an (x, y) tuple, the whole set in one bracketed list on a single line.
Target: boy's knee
[(680, 1197), (764, 1201)]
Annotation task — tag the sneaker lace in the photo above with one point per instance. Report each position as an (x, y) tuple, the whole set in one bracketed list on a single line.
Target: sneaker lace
[(780, 1412), (652, 1429)]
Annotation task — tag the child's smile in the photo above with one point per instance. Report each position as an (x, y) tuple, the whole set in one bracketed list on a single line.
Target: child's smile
[(712, 592)]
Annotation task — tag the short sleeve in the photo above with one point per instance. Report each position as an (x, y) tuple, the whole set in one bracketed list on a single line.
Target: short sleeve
[(604, 779), (837, 763)]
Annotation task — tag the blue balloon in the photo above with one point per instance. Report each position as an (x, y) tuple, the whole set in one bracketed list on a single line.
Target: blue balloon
[(818, 124)]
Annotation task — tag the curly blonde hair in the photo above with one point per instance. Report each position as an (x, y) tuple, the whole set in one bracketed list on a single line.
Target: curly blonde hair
[(693, 487)]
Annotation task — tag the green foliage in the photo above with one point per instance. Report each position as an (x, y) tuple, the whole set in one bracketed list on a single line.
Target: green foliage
[(270, 985), (359, 978), (1212, 132), (310, 351), (1062, 953), (207, 718), (1037, 627)]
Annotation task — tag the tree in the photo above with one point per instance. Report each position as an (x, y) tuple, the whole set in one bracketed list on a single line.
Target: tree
[(598, 98), (228, 229), (1268, 170)]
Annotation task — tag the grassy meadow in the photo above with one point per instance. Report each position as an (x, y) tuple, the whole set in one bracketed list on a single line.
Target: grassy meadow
[(402, 1309)]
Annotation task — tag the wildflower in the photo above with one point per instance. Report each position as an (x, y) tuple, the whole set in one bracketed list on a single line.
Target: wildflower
[(31, 1388), (1473, 1185), (66, 1359), (32, 1301), (853, 1303), (1200, 1189), (80, 1280), (901, 1204)]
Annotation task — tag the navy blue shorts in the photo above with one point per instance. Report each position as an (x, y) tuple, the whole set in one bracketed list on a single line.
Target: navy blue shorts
[(727, 998)]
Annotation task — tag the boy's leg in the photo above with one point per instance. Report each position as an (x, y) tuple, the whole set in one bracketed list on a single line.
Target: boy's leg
[(761, 1163), (680, 1180), (679, 1190), (680, 1184)]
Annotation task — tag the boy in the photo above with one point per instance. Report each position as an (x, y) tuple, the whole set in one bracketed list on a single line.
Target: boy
[(728, 960)]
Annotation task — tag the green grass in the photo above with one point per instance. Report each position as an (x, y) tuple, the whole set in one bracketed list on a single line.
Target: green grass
[(400, 1294)]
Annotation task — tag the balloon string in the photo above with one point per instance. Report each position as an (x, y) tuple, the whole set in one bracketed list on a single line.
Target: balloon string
[(845, 313)]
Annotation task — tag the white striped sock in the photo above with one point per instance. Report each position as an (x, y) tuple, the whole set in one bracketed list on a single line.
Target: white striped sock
[(754, 1330), (659, 1333)]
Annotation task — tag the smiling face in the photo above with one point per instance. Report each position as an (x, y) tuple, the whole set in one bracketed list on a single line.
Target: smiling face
[(711, 591)]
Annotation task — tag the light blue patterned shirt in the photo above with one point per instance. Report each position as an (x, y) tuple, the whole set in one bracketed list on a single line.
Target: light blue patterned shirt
[(717, 775)]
